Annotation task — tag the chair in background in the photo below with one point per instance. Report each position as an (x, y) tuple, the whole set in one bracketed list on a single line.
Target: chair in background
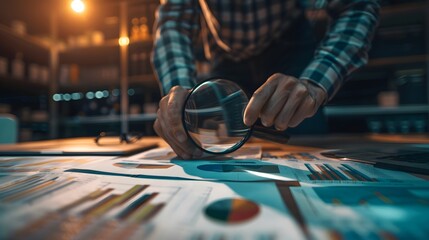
[(8, 129)]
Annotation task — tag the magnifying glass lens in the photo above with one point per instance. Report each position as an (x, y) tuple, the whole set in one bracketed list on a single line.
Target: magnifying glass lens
[(213, 116)]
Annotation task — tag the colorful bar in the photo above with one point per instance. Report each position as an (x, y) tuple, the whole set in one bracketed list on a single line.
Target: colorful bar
[(325, 172), (336, 201), (99, 205), (364, 176), (314, 172), (360, 178), (146, 212), (349, 174), (25, 193), (136, 204), (311, 177), (337, 173), (332, 173), (383, 198), (92, 196), (51, 189), (142, 213), (37, 186), (16, 188), (357, 177), (131, 193), (18, 182), (113, 201)]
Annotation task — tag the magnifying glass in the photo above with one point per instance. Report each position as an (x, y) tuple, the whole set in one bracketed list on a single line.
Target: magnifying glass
[(212, 117)]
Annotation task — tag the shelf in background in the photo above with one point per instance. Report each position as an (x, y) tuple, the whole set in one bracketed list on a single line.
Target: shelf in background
[(11, 84), (387, 61), (91, 55), (402, 8), (374, 110), (28, 122), (146, 80), (103, 54), (110, 43), (32, 49), (146, 117)]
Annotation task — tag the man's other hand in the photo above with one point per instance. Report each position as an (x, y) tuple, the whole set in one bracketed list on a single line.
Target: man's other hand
[(284, 101), (168, 123)]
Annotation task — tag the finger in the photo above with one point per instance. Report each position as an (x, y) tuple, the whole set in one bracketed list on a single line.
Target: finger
[(258, 100), (157, 124), (179, 151), (178, 148), (159, 127), (276, 102), (305, 110), (156, 127), (174, 107), (298, 94), (183, 149), (174, 123)]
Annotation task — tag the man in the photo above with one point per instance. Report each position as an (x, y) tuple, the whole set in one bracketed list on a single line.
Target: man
[(263, 44)]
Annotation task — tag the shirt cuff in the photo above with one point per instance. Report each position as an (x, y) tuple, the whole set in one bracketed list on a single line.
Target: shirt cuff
[(324, 74), (182, 77)]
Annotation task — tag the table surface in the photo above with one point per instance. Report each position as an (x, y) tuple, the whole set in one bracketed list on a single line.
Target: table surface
[(221, 208)]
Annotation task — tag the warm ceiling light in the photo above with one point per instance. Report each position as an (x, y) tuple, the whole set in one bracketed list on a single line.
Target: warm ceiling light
[(124, 41), (78, 6)]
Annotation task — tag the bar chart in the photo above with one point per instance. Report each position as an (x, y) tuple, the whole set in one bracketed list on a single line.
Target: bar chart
[(377, 196), (51, 205), (291, 156), (343, 172), (370, 212), (34, 187), (35, 164), (111, 209)]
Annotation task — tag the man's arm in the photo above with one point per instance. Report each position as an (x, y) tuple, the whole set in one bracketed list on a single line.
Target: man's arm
[(285, 101), (176, 28), (346, 44)]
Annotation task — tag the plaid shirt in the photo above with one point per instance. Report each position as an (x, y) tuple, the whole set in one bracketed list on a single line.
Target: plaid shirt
[(239, 29)]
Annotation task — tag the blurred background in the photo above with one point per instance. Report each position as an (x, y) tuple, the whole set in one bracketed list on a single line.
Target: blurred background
[(62, 63)]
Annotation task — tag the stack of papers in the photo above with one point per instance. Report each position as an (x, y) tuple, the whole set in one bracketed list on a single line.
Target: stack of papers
[(153, 195)]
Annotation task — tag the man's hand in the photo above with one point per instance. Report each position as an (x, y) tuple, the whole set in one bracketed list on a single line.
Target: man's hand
[(168, 124), (284, 101)]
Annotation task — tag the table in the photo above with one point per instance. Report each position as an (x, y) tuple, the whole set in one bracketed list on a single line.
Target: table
[(292, 193)]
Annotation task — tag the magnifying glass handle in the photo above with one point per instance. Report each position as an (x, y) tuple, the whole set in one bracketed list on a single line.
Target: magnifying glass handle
[(270, 134)]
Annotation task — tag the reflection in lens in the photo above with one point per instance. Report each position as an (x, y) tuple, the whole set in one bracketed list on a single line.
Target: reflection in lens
[(213, 116)]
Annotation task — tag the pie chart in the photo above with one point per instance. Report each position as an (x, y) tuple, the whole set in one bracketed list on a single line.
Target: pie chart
[(232, 210)]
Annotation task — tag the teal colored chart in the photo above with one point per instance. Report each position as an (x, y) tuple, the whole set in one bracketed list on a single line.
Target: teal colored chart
[(225, 168)]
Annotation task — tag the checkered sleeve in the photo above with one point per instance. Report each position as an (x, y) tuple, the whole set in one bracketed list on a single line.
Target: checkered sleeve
[(346, 44), (176, 28)]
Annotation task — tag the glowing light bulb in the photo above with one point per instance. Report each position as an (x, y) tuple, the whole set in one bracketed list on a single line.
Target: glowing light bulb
[(78, 6), (124, 41)]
